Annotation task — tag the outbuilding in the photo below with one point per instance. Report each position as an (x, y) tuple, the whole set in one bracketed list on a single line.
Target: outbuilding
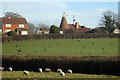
[(116, 31)]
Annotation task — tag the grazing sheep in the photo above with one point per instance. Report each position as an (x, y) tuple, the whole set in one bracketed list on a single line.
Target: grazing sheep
[(69, 71), (47, 70), (62, 73), (59, 70), (40, 70), (10, 69), (26, 72), (1, 68)]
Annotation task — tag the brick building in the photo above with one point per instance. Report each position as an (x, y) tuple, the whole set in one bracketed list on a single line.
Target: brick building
[(77, 29), (14, 24)]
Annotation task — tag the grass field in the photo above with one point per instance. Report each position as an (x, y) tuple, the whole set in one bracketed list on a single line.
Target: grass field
[(104, 46), (19, 74)]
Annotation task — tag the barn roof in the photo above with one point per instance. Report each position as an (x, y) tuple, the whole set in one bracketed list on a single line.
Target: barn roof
[(14, 21)]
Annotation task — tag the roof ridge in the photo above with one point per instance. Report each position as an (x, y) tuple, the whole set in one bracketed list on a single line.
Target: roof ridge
[(14, 21)]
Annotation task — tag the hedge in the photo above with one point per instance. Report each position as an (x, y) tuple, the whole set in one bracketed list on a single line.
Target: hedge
[(58, 36), (84, 64)]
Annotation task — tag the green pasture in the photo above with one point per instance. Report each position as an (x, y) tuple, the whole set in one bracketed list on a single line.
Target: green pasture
[(66, 47), (20, 74)]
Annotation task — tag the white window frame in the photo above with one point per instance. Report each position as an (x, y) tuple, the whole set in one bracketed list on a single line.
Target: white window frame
[(21, 25), (8, 25)]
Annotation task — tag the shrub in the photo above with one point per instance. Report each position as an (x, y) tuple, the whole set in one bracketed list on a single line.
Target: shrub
[(58, 36), (12, 33), (54, 29)]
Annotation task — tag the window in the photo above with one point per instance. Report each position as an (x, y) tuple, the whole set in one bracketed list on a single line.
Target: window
[(21, 25), (8, 25)]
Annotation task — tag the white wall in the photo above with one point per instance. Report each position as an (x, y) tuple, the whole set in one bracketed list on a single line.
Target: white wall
[(116, 31), (24, 33)]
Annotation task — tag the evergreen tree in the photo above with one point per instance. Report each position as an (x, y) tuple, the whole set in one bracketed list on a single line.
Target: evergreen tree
[(110, 21)]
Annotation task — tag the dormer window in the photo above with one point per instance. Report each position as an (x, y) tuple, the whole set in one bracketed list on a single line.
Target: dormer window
[(8, 25), (21, 25)]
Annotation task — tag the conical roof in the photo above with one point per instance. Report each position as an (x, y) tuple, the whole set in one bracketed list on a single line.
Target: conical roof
[(64, 24)]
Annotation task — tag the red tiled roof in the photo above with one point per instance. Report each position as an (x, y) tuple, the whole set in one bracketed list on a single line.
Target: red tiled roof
[(71, 26), (14, 21), (81, 30)]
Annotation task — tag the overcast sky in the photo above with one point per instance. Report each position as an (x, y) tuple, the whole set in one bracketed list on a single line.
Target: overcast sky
[(86, 13)]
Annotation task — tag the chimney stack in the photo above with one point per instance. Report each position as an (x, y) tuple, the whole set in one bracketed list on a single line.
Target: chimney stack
[(77, 25)]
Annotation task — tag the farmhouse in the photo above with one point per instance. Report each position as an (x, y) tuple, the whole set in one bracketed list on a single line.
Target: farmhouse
[(14, 24), (64, 26)]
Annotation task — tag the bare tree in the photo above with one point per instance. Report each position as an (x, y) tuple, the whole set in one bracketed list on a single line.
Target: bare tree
[(12, 15), (31, 28), (43, 27)]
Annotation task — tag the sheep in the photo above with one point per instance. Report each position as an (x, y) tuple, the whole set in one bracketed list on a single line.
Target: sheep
[(26, 72), (59, 70), (40, 70), (10, 69), (47, 70), (1, 68), (62, 73), (69, 71)]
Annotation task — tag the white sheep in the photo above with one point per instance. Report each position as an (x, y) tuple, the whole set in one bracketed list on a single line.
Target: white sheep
[(1, 68), (40, 70), (47, 70), (69, 71), (10, 69), (62, 73), (59, 70), (26, 72)]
